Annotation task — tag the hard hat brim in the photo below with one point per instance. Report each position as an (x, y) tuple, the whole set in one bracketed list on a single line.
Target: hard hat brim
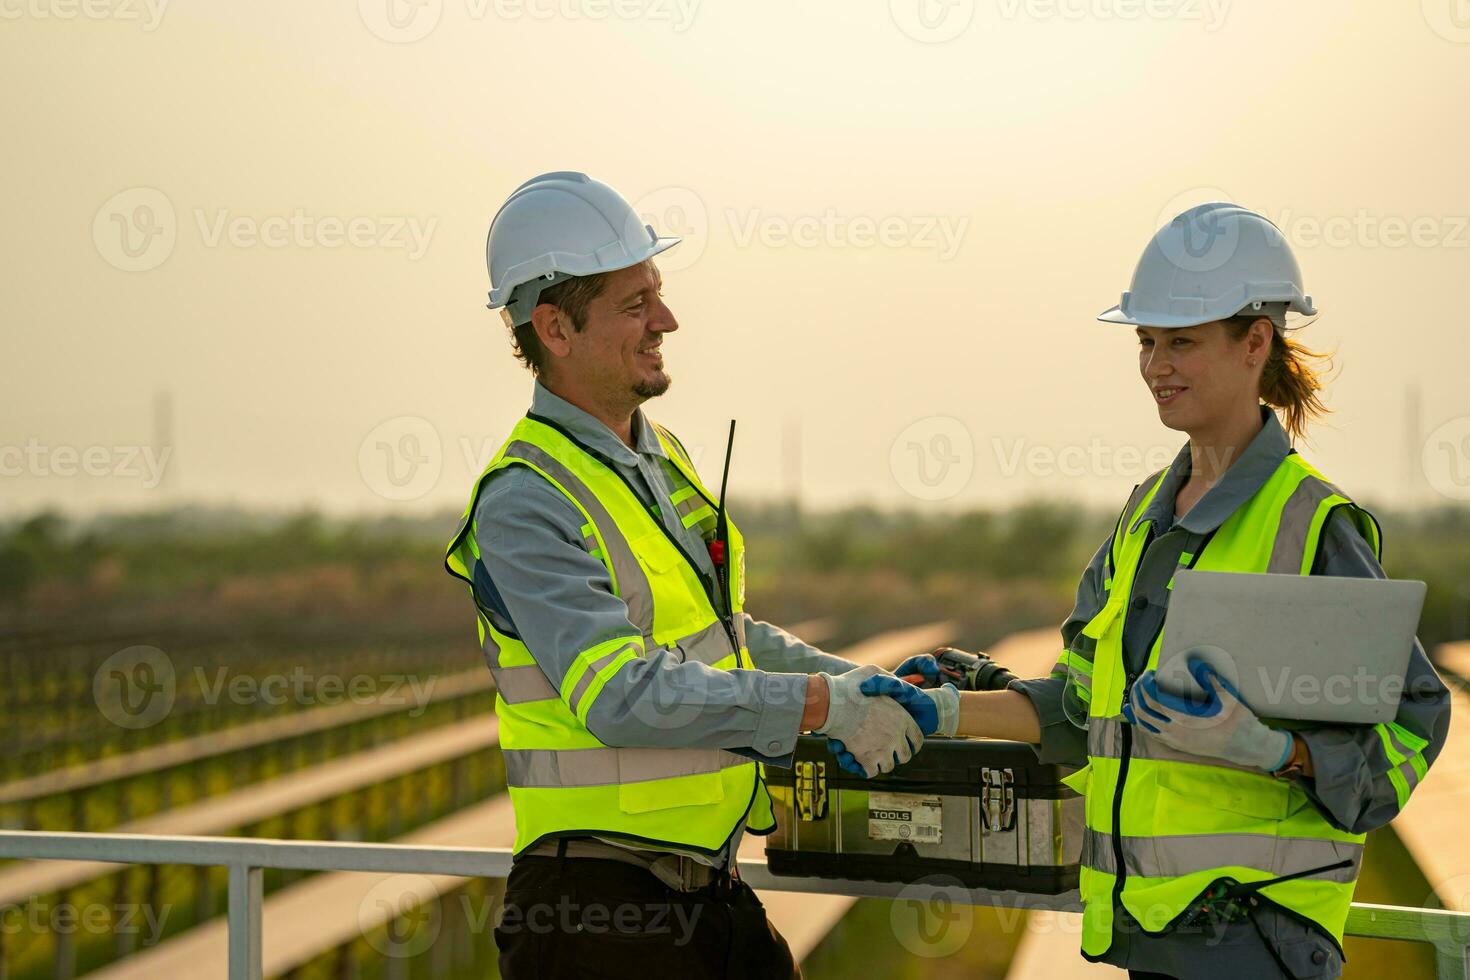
[(1116, 315), (662, 245), (1166, 321)]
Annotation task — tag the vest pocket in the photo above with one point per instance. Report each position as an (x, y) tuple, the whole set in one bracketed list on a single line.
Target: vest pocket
[(1078, 781), (1308, 959), (664, 794), (1193, 788), (676, 585), (655, 552)]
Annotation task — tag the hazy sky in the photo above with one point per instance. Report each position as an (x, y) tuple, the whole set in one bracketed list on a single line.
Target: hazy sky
[(901, 220)]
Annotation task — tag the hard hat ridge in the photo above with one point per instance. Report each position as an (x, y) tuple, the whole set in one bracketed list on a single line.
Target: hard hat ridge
[(556, 226), (1209, 263)]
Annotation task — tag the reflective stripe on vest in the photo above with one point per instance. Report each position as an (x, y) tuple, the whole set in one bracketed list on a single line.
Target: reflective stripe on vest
[(1175, 855), (1180, 821), (610, 767), (629, 581), (1289, 549), (526, 682), (562, 780), (595, 670), (1105, 741)]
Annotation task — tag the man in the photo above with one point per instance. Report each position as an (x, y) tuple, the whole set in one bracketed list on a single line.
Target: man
[(634, 691)]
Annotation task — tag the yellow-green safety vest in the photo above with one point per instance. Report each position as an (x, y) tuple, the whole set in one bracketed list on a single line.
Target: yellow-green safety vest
[(1161, 824), (563, 781)]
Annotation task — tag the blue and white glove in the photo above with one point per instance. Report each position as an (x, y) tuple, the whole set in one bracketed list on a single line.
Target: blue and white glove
[(936, 712), (1222, 726), (925, 665), (875, 734)]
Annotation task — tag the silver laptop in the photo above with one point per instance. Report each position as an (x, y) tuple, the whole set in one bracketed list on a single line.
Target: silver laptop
[(1300, 647)]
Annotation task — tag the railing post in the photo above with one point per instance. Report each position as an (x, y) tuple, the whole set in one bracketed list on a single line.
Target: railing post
[(65, 965), (1450, 961), (246, 893)]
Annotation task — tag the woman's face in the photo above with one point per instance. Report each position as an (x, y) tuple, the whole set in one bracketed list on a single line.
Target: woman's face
[(1201, 376)]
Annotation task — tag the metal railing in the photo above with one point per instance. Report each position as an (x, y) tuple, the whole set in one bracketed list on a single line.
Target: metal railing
[(247, 858)]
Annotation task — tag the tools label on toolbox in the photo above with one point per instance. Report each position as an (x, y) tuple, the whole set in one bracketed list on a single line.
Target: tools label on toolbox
[(894, 816)]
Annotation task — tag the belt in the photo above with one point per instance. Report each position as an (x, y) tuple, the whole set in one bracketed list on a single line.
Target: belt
[(678, 871)]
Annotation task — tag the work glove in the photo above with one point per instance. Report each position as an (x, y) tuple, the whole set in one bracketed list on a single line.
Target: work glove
[(1221, 726), (925, 666), (937, 711), (967, 671), (876, 734)]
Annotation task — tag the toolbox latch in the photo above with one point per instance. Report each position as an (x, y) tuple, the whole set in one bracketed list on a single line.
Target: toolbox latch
[(997, 799), (811, 790)]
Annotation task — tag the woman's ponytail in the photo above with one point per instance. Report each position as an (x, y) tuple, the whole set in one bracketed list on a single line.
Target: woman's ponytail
[(1292, 379)]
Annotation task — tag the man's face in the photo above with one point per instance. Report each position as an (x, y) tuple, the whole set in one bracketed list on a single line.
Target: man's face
[(619, 349)]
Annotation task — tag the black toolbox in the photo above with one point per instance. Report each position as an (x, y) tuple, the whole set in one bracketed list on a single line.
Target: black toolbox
[(981, 811)]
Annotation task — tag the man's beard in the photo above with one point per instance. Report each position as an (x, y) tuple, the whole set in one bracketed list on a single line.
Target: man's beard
[(652, 389)]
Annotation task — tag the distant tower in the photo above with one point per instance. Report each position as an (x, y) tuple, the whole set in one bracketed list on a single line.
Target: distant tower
[(1413, 447), (163, 443), (791, 466)]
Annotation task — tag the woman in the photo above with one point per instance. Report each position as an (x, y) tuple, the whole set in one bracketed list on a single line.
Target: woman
[(1207, 807)]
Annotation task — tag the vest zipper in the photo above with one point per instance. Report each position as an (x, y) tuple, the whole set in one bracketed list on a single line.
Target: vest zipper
[(1127, 751), (710, 595), (722, 575), (1125, 756), (721, 566)]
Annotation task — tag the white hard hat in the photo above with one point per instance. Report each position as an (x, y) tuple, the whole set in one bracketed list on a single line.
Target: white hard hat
[(1209, 263), (557, 226)]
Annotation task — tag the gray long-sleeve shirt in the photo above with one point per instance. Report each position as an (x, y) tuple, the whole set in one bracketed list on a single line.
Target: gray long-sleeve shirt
[(546, 588), (1352, 786)]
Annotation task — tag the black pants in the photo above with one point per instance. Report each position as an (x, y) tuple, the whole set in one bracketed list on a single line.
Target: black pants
[(606, 920), (1140, 975)]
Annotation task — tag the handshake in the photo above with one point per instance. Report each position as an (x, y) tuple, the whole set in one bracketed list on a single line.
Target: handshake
[(876, 721)]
